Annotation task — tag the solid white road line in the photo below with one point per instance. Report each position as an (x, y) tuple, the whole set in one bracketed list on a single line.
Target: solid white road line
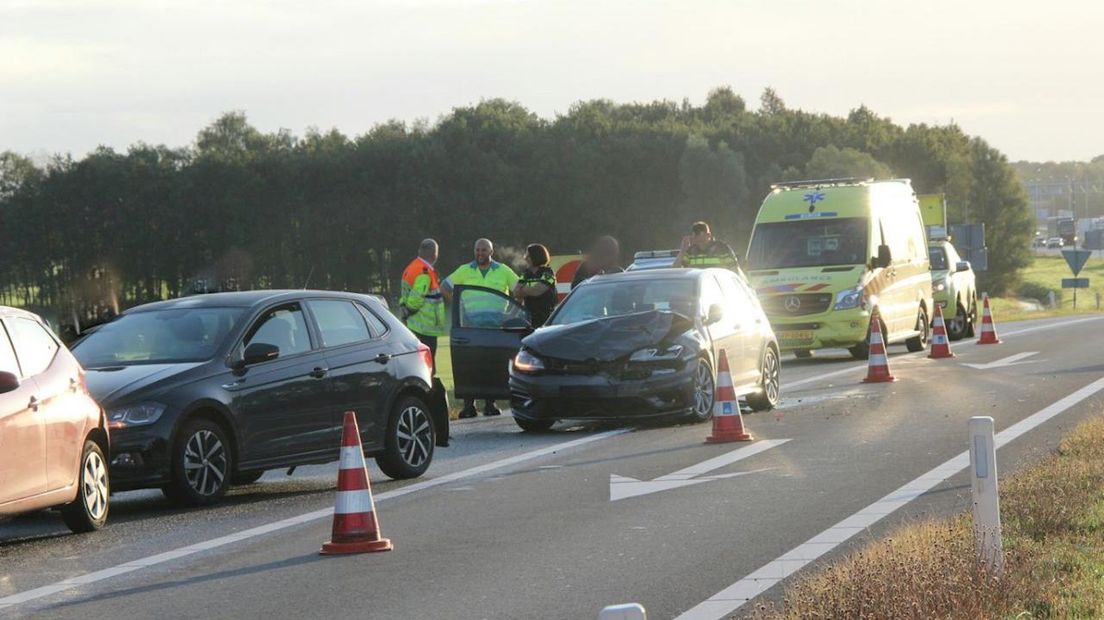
[(791, 385), (168, 556), (1049, 326), (736, 595)]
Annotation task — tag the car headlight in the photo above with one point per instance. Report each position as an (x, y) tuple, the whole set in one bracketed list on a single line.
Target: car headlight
[(657, 355), (525, 361), (939, 285), (135, 415), (849, 298)]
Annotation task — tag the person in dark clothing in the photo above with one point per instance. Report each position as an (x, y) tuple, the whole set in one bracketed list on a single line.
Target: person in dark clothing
[(536, 289), (604, 257)]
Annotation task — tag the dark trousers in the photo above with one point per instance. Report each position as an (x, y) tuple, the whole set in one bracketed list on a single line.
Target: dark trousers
[(431, 342)]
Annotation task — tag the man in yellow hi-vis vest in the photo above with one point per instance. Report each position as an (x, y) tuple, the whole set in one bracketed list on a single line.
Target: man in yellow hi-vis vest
[(420, 303), (488, 273)]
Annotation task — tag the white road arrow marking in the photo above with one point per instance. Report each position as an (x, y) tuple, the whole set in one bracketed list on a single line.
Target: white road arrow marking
[(622, 487), (1011, 360)]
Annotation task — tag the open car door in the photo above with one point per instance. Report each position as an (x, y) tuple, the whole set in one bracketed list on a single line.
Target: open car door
[(487, 328)]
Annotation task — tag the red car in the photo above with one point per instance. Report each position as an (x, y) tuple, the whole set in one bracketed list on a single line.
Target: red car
[(53, 435)]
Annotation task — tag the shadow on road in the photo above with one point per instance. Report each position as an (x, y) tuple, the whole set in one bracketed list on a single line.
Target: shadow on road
[(159, 587)]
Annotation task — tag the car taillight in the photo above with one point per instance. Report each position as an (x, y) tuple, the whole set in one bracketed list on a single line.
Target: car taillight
[(427, 356)]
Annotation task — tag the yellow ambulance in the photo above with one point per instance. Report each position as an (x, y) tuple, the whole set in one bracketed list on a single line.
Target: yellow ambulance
[(824, 254)]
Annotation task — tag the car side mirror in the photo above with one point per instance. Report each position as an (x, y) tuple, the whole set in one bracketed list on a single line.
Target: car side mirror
[(258, 352), (8, 382), (885, 257), (716, 313), (962, 265)]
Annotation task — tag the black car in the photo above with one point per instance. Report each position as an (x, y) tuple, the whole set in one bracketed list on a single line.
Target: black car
[(208, 391), (634, 344)]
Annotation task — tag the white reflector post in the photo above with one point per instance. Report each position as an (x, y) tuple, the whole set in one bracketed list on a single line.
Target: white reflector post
[(628, 611), (983, 480)]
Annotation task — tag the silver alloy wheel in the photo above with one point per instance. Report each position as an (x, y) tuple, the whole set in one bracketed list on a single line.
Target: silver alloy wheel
[(414, 436), (94, 485), (771, 376), (204, 462), (703, 391)]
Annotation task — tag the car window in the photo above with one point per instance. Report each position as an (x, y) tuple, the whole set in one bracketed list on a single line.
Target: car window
[(602, 299), (285, 328), (711, 294), (938, 257), (8, 363), (167, 336), (34, 346), (734, 295), (488, 309), (807, 243), (375, 324), (339, 322)]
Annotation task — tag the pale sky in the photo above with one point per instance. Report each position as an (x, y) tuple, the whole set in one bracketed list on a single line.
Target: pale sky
[(74, 74)]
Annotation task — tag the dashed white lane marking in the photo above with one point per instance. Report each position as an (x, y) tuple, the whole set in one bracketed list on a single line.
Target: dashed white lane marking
[(736, 595), (168, 556)]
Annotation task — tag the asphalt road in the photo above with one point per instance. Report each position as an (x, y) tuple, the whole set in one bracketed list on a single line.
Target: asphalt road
[(508, 525)]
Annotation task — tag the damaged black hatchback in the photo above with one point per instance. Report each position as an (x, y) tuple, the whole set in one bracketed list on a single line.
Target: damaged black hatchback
[(628, 345)]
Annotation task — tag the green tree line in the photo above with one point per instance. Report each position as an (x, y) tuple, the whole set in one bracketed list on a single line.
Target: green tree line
[(240, 208)]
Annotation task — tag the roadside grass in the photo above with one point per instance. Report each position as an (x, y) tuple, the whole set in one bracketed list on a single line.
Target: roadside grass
[(1045, 273), (1053, 531)]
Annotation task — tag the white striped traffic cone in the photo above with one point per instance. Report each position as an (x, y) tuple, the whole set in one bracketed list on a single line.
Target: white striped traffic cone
[(940, 345), (988, 330), (355, 529), (878, 368), (728, 424)]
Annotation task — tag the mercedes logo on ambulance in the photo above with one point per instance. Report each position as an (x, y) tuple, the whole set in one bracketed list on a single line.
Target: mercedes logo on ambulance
[(792, 303)]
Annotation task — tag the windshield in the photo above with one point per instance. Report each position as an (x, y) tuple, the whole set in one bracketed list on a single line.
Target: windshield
[(598, 300), (158, 337), (938, 258), (809, 243)]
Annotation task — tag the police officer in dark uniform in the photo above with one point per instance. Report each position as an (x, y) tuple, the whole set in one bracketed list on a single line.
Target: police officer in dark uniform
[(700, 249), (536, 289)]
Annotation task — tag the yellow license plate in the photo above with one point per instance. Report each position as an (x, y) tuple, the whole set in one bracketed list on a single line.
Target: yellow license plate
[(796, 336)]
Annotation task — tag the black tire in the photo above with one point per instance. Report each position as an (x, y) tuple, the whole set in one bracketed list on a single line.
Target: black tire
[(803, 354), (249, 476), (861, 350), (919, 343), (201, 464), (408, 447), (771, 380), (88, 512), (959, 324), (973, 319), (705, 390), (532, 425)]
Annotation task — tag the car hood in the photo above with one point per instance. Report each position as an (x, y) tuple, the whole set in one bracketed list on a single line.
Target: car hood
[(109, 383), (608, 339)]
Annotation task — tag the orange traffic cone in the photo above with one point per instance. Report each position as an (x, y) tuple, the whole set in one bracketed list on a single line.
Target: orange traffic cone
[(728, 424), (940, 346), (878, 368), (988, 331), (355, 529)]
